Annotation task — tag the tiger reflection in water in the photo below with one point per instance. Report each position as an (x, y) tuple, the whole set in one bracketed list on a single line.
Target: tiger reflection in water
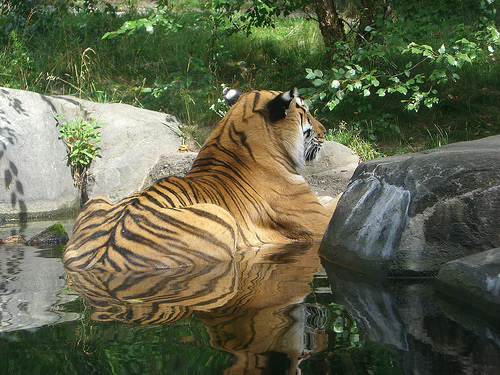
[(251, 307)]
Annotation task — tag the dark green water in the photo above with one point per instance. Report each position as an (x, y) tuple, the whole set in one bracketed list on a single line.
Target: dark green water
[(273, 311)]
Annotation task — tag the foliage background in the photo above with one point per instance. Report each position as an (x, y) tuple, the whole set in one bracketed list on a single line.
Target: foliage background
[(422, 74)]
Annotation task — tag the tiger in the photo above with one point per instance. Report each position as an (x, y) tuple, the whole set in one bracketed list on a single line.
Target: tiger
[(243, 190)]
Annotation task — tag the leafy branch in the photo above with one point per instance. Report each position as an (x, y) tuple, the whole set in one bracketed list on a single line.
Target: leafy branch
[(336, 83)]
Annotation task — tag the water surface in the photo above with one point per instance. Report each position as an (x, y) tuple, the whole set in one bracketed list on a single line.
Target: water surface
[(273, 310)]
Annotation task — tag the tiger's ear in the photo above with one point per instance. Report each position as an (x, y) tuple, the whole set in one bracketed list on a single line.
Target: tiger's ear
[(231, 95), (278, 106)]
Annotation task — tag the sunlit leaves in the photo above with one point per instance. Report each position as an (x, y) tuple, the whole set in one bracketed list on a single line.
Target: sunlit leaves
[(82, 138), (353, 76)]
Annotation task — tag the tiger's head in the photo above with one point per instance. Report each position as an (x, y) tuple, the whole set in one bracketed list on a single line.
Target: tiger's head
[(289, 123)]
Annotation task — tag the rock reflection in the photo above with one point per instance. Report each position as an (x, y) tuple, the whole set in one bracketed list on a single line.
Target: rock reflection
[(31, 289), (251, 307), (430, 335)]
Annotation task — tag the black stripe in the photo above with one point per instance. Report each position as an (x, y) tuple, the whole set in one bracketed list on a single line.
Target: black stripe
[(255, 100)]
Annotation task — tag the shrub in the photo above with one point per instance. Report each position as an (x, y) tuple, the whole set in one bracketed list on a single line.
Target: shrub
[(81, 138)]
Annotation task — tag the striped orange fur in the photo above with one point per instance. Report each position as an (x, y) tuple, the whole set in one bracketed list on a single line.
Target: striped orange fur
[(243, 190)]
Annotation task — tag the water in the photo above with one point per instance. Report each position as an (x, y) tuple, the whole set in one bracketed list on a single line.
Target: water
[(273, 311)]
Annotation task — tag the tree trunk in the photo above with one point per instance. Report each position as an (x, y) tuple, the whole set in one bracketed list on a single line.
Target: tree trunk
[(331, 26)]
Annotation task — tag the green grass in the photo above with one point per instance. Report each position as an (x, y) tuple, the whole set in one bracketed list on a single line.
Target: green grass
[(275, 58), (351, 138)]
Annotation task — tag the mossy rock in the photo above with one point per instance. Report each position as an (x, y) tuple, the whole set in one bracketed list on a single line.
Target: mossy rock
[(53, 235)]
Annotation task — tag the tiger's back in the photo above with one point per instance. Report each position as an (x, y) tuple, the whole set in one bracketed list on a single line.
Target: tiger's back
[(243, 190)]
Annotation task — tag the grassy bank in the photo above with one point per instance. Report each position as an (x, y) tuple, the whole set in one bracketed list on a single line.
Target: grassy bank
[(181, 70)]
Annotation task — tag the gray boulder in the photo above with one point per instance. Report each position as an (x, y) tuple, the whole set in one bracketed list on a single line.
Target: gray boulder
[(37, 178), (132, 141), (407, 215), (474, 279)]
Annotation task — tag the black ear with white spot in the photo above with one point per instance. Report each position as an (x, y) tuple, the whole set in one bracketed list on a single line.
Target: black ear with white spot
[(231, 95), (278, 106)]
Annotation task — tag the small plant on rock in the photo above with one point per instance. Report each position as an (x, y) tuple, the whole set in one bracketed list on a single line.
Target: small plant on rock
[(82, 138)]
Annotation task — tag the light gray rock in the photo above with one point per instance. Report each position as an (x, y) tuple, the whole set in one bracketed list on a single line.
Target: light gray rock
[(474, 279), (331, 173), (132, 141), (407, 215), (36, 178)]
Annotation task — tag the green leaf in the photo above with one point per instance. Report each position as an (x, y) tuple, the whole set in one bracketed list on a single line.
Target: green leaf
[(451, 60), (333, 103), (310, 76), (335, 84), (317, 82), (350, 73), (318, 73), (403, 90)]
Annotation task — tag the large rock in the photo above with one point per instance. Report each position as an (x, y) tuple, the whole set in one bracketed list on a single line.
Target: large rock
[(37, 178), (474, 279), (407, 215), (132, 141)]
